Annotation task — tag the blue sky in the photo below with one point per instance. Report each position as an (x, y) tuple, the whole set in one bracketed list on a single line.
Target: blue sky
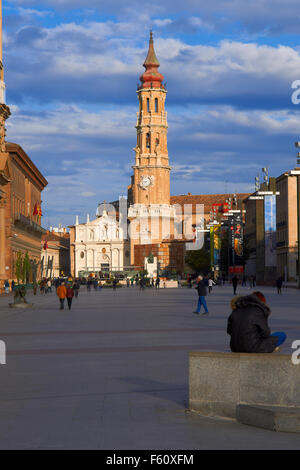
[(71, 74)]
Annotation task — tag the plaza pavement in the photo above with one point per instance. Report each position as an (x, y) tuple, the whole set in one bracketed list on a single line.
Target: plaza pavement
[(113, 372)]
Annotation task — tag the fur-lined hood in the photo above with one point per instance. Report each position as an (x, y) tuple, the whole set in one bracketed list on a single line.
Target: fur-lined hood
[(249, 300)]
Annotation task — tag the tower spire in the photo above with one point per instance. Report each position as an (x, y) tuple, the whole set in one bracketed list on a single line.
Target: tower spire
[(151, 78)]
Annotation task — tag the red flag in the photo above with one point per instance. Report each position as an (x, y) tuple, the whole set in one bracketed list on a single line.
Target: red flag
[(35, 210)]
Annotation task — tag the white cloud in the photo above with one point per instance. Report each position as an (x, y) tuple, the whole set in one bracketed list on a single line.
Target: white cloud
[(87, 194)]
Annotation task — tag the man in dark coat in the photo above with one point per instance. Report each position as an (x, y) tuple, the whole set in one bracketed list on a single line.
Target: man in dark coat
[(234, 284), (202, 292), (248, 326), (279, 283)]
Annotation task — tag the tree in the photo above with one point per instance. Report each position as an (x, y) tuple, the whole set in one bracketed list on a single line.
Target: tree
[(19, 266), (26, 268), (198, 260)]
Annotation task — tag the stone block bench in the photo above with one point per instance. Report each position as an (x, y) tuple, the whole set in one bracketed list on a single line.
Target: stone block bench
[(256, 389)]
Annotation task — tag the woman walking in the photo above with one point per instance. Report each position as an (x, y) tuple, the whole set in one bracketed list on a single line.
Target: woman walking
[(70, 295)]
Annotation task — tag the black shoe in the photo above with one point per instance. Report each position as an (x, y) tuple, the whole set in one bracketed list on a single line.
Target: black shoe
[(205, 313), (196, 313)]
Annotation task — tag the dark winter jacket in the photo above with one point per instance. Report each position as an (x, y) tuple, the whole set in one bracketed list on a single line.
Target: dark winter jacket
[(248, 326), (201, 288)]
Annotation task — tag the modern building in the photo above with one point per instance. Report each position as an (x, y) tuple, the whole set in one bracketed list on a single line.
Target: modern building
[(287, 226), (260, 233)]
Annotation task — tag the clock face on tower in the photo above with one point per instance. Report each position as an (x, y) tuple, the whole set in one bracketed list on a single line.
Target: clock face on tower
[(146, 181)]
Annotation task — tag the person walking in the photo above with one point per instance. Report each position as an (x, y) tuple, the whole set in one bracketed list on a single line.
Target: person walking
[(142, 283), (235, 282), (115, 282), (279, 283), (70, 295), (62, 294), (202, 292), (49, 286), (211, 283), (6, 287), (248, 326), (157, 282), (76, 287)]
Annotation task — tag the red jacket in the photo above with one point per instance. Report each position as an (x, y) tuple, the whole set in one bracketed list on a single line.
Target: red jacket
[(70, 293)]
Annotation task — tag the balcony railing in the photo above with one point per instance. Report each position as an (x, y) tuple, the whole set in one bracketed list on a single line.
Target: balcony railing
[(26, 222)]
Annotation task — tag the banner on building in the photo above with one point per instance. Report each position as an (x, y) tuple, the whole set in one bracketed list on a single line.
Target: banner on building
[(236, 269), (270, 231), (236, 242), (215, 244)]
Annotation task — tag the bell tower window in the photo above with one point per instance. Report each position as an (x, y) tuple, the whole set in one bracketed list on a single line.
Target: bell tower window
[(148, 140), (156, 105), (148, 105)]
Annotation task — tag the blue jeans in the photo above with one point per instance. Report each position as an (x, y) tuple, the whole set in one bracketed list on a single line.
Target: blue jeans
[(201, 301), (281, 337)]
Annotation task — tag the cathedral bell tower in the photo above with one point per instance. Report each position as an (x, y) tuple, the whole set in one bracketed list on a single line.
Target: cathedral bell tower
[(150, 214), (151, 180)]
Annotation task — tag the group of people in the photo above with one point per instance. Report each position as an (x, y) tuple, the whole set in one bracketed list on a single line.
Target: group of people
[(247, 325), (67, 291)]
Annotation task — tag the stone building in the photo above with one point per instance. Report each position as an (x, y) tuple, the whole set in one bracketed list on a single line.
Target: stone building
[(21, 184), (98, 246), (215, 206), (21, 212), (55, 253)]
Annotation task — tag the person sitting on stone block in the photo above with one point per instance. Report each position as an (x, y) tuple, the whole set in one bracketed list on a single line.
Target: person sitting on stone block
[(248, 326)]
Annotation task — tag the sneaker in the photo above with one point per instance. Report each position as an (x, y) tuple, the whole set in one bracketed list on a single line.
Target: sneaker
[(196, 313)]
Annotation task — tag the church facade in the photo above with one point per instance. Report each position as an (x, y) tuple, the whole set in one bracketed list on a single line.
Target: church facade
[(98, 246)]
